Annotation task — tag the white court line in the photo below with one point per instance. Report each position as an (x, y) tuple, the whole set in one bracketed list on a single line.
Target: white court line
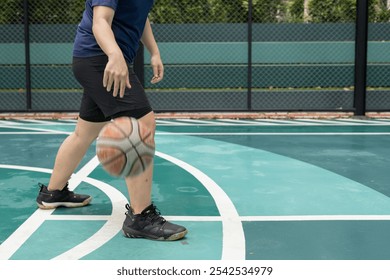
[(365, 122), (103, 235), (268, 122), (41, 122), (274, 133), (69, 121), (240, 122), (201, 122), (317, 122), (110, 229), (286, 218), (22, 233), (316, 218), (232, 231), (169, 123), (242, 218), (278, 122), (340, 122), (28, 133), (37, 129), (9, 123)]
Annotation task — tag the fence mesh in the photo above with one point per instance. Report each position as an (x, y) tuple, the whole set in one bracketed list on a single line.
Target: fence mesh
[(219, 55), (378, 70), (12, 56)]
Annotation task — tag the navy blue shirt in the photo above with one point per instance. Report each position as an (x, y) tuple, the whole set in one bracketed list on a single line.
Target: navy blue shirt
[(128, 25)]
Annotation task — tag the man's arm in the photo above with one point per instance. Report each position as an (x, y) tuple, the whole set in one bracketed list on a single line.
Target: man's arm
[(116, 71), (155, 58)]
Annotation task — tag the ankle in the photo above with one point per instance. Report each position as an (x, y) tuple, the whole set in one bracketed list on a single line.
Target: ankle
[(52, 188), (139, 208)]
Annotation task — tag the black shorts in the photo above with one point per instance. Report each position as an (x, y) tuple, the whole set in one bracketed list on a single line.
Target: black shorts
[(98, 105)]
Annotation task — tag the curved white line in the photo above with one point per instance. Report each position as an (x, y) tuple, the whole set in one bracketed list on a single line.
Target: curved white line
[(233, 233), (23, 232), (109, 230), (106, 232)]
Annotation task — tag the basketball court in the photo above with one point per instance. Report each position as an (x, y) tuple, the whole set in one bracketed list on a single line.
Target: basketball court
[(246, 189)]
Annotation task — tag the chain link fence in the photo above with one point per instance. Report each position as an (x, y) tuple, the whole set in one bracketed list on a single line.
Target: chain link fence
[(237, 55), (378, 68)]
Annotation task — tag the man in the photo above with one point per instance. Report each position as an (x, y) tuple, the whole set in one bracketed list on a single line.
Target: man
[(106, 43)]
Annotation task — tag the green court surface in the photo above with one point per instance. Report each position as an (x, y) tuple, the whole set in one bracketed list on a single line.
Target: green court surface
[(245, 189)]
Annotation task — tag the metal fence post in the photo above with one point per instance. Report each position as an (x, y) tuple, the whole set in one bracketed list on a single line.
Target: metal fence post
[(250, 22), (361, 57), (27, 54)]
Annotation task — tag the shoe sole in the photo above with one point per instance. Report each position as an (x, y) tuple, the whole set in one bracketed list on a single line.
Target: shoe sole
[(47, 206), (172, 237)]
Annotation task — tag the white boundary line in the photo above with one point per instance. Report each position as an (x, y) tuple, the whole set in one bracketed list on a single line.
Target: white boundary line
[(274, 133), (169, 123), (28, 133), (106, 232), (233, 233), (50, 132), (9, 123), (366, 122), (21, 234), (36, 129), (225, 122), (193, 122), (316, 218), (300, 218), (40, 122)]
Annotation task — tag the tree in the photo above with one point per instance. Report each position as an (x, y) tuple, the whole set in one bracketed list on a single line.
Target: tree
[(11, 11), (267, 11), (306, 11)]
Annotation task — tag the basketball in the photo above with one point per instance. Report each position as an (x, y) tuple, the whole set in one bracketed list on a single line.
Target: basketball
[(120, 149)]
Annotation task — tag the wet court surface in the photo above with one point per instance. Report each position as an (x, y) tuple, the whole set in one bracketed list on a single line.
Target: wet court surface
[(245, 189)]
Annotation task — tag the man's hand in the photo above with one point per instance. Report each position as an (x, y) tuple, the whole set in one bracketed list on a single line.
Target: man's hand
[(116, 76), (158, 69)]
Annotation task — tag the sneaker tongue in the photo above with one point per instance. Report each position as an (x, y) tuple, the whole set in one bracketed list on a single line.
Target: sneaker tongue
[(148, 209)]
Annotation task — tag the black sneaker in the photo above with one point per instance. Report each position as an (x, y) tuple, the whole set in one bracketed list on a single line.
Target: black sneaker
[(65, 198), (149, 224)]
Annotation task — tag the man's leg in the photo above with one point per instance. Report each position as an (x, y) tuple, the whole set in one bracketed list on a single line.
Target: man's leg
[(143, 220), (72, 151), (140, 187), (68, 158)]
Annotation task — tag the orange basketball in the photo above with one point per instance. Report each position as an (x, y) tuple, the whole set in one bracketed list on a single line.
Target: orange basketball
[(120, 149)]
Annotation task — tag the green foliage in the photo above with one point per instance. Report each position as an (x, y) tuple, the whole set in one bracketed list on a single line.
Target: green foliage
[(197, 11), (266, 11), (296, 10), (11, 11), (345, 11), (50, 11), (47, 11), (332, 10), (381, 13)]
